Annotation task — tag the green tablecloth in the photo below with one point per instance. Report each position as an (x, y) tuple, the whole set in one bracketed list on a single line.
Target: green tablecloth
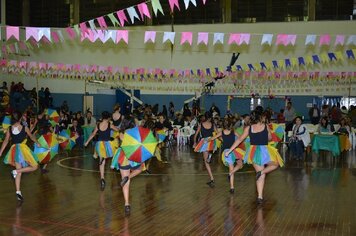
[(87, 131), (326, 142)]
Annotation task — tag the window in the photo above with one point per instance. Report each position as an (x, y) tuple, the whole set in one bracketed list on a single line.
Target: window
[(347, 102)]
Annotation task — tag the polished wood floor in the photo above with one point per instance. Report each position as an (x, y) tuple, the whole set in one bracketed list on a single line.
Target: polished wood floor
[(313, 198)]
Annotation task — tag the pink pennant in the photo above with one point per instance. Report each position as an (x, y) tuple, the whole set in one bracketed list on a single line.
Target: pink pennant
[(102, 22), (291, 38), (93, 68), (340, 40), (55, 36), (23, 64), (122, 17), (32, 32), (42, 65), (143, 9), (173, 3), (234, 38), (122, 35), (32, 64), (71, 33), (100, 34), (186, 37), (324, 39), (282, 39), (12, 31), (204, 1), (245, 38), (203, 37), (89, 34), (60, 66), (83, 27), (150, 35)]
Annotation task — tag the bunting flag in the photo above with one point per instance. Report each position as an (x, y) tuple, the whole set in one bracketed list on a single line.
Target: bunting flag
[(114, 20), (12, 31), (267, 39), (70, 32), (172, 4), (44, 32), (32, 32), (150, 36), (324, 39), (133, 14), (186, 3), (218, 38), (340, 40), (350, 54), (143, 9), (244, 38), (234, 38), (351, 40), (203, 37), (186, 37), (310, 40), (122, 35), (122, 17), (156, 6), (169, 36), (282, 39), (101, 22)]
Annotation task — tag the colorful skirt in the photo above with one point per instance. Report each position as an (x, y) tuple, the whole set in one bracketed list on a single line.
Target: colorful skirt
[(120, 161), (234, 156), (106, 149), (262, 155), (22, 154), (207, 146)]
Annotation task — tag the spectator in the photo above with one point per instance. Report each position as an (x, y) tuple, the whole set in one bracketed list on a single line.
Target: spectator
[(42, 100), (179, 120), (300, 139), (314, 114), (63, 121), (164, 111), (77, 130), (163, 123), (65, 107), (344, 127), (325, 110), (214, 110), (280, 117), (324, 126), (79, 117), (289, 114), (48, 98), (186, 110), (89, 119), (171, 110), (335, 114)]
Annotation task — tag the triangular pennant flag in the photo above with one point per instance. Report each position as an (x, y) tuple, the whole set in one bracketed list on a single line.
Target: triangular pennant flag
[(122, 17), (169, 36), (339, 56), (267, 39), (172, 4), (60, 35), (83, 27), (291, 38), (150, 36), (244, 38), (351, 40), (310, 40), (203, 37), (76, 29), (294, 62), (204, 1), (234, 38), (122, 35), (55, 36), (32, 32), (113, 19), (156, 6), (275, 64), (301, 61), (186, 37), (133, 14), (324, 58), (92, 25), (287, 63), (309, 60), (186, 3), (46, 32), (324, 39), (282, 39), (340, 40), (12, 31), (218, 38), (350, 54), (143, 9), (110, 34), (102, 22)]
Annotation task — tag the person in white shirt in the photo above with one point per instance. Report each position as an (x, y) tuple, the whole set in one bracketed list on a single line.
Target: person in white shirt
[(300, 138), (89, 119)]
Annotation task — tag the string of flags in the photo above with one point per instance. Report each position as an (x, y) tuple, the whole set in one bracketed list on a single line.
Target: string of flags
[(275, 68)]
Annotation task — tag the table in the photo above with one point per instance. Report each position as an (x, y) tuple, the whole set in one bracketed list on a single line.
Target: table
[(326, 142)]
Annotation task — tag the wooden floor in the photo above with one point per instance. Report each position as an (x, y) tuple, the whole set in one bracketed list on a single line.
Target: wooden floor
[(317, 198)]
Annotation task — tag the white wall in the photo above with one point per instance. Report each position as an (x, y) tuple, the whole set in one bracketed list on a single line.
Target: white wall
[(137, 54)]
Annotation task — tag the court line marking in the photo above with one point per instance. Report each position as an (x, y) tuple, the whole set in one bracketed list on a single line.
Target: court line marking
[(96, 171)]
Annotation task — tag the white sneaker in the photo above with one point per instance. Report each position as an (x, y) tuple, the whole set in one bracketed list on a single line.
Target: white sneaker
[(19, 196), (14, 173)]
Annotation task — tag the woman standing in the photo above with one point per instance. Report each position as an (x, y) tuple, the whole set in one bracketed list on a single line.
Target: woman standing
[(20, 155), (104, 148), (206, 130), (229, 136), (264, 157), (300, 138), (117, 117)]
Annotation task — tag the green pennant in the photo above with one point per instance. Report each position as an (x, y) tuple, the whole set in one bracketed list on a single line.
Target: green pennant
[(156, 5), (113, 19), (76, 29)]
